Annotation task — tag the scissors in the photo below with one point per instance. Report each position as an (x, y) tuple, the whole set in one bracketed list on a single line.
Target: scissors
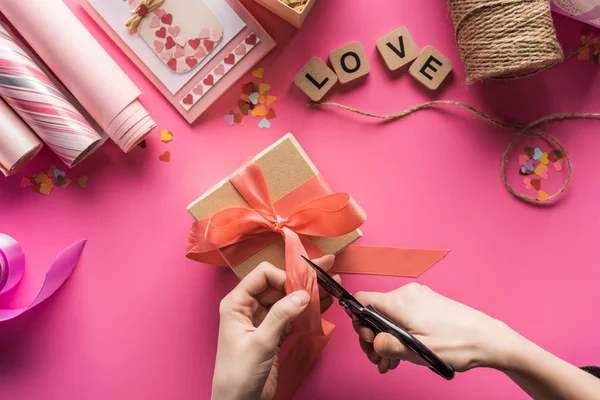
[(378, 323)]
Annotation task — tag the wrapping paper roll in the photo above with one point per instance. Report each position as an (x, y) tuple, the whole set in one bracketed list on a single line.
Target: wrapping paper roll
[(41, 104), (83, 66), (17, 143)]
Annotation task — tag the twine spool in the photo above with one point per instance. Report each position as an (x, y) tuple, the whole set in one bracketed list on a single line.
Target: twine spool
[(504, 39)]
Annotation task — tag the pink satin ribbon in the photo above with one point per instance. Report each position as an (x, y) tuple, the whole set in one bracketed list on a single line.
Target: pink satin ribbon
[(12, 267)]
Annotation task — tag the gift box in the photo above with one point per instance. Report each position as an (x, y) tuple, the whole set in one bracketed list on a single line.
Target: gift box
[(292, 11), (287, 171)]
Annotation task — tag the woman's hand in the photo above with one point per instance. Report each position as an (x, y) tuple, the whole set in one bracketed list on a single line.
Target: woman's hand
[(460, 335), (255, 319)]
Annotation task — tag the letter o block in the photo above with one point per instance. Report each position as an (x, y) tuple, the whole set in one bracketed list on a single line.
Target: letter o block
[(315, 79), (430, 68), (349, 62)]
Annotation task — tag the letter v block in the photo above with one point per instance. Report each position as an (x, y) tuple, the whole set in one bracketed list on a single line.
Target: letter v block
[(315, 79), (397, 48)]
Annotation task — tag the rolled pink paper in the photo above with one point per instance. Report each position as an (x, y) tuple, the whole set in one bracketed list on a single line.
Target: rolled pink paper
[(18, 144), (83, 66), (41, 105)]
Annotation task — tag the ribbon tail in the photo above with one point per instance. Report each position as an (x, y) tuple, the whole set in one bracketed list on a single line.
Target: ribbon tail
[(299, 360), (57, 274), (389, 261)]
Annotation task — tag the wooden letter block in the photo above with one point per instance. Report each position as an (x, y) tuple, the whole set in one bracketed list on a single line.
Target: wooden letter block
[(397, 48), (315, 79), (349, 62), (430, 68)]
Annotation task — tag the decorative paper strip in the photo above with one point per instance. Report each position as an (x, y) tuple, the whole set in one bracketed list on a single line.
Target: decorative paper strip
[(17, 143), (211, 79), (35, 98), (12, 266), (82, 65)]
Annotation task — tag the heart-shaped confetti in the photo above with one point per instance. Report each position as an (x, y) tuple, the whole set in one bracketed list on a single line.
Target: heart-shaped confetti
[(189, 99), (158, 46), (263, 88), (25, 182), (188, 51), (174, 31), (167, 19), (191, 61), (220, 70), (555, 155), (271, 114), (537, 153), (239, 118), (170, 43), (253, 98), (261, 99), (155, 23), (204, 33), (194, 43), (230, 59), (542, 195), (172, 63), (166, 156), (82, 181), (142, 10), (523, 159), (201, 52), (544, 159), (45, 189), (240, 50), (160, 12), (264, 123), (199, 90), (51, 170), (161, 33), (230, 119), (258, 111), (258, 73), (248, 88), (542, 171), (527, 182), (216, 35), (558, 165), (529, 151), (180, 40), (178, 52), (166, 136), (245, 97), (244, 108), (273, 99), (536, 183), (58, 172), (208, 45), (166, 55), (209, 80), (251, 40)]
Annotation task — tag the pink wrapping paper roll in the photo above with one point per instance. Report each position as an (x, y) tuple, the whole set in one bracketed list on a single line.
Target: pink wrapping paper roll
[(83, 66), (41, 104), (18, 144)]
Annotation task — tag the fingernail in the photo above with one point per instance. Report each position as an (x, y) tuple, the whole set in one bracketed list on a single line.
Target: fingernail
[(300, 297)]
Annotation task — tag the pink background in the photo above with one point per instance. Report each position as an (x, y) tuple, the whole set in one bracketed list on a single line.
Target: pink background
[(138, 320)]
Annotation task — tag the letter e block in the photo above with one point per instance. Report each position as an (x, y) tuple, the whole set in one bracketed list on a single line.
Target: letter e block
[(397, 48), (315, 79), (430, 68), (349, 62)]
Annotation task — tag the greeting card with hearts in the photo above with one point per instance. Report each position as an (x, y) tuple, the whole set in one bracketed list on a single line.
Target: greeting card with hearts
[(191, 50)]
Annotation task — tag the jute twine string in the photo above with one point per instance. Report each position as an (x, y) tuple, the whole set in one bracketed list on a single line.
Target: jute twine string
[(520, 129), (504, 39)]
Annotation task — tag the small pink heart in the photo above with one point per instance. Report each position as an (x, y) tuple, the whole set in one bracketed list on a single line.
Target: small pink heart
[(220, 70), (199, 90), (543, 173), (240, 50), (178, 52), (158, 46), (216, 35), (558, 164), (174, 30), (527, 182), (159, 12), (191, 62), (204, 33), (201, 52), (523, 159), (180, 40), (189, 51), (166, 54), (155, 23), (172, 64)]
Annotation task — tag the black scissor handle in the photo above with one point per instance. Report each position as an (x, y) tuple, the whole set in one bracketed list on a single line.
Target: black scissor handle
[(379, 323)]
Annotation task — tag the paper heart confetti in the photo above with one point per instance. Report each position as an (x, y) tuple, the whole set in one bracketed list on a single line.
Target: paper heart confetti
[(159, 12), (558, 165), (208, 44), (544, 158), (542, 171), (180, 40), (166, 156), (172, 63), (253, 98), (230, 119), (264, 123), (161, 33), (166, 55), (204, 33), (209, 80), (263, 88), (258, 111), (194, 43), (166, 136), (230, 59), (537, 153), (170, 43), (178, 52), (58, 172), (240, 50), (529, 151), (25, 182), (167, 19), (191, 61), (201, 52), (158, 46), (271, 100), (82, 181), (216, 35), (45, 189), (174, 31), (542, 195), (271, 114), (556, 155), (536, 183), (523, 159), (527, 182), (258, 73), (155, 23), (189, 51), (220, 70), (189, 99)]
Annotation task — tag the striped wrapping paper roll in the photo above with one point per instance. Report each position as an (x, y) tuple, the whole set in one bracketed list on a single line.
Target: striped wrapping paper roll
[(38, 101), (18, 144)]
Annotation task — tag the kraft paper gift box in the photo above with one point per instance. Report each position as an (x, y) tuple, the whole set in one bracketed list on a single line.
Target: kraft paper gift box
[(285, 167), (287, 13)]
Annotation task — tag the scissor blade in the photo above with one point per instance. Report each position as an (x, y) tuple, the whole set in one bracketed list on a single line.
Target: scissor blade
[(328, 283)]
